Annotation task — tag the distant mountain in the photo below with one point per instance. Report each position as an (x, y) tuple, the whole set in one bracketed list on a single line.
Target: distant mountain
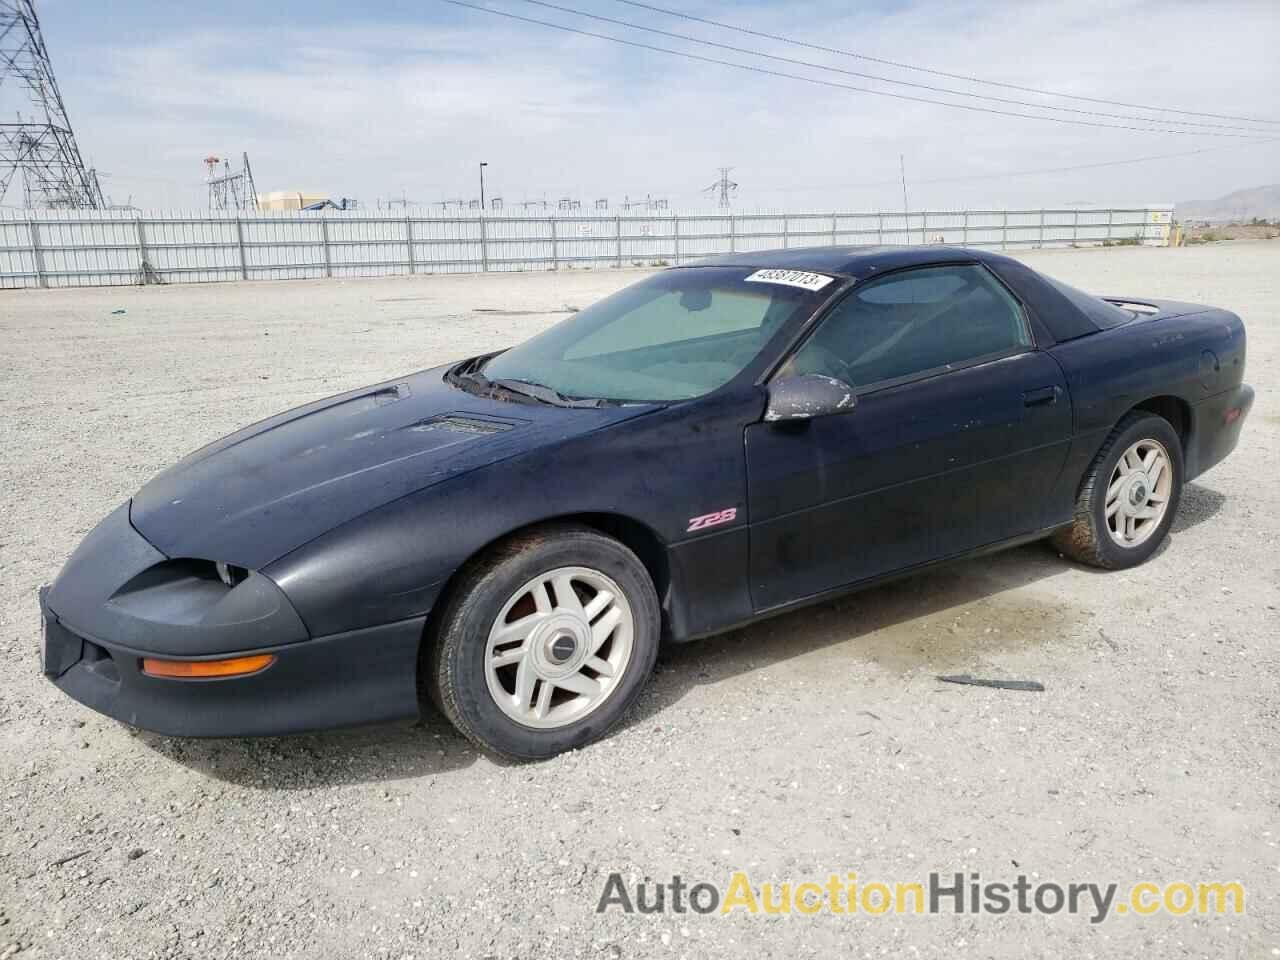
[(1243, 205)]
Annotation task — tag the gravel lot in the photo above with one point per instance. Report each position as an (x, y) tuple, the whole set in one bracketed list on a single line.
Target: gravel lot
[(816, 742)]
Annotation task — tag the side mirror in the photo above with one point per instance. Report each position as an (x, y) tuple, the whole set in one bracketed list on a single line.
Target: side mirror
[(808, 396)]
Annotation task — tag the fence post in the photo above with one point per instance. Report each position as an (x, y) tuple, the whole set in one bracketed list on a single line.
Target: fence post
[(1075, 228), (555, 245), (324, 237), (1110, 217), (37, 256), (733, 234), (675, 260), (880, 229), (833, 228), (408, 243), (244, 265), (617, 227), (924, 227), (964, 236), (484, 244), (1004, 230), (142, 252), (1041, 229), (786, 238)]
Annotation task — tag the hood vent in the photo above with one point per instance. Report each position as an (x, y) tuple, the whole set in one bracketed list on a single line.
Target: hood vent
[(459, 423)]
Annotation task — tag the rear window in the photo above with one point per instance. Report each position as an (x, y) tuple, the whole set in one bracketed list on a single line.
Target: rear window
[(1104, 314)]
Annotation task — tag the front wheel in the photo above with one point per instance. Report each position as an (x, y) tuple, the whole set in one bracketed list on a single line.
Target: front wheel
[(545, 643), (1129, 497)]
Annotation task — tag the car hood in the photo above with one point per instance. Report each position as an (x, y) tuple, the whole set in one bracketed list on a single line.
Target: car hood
[(253, 496)]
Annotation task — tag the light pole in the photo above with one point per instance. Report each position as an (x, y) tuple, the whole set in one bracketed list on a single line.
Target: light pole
[(482, 166)]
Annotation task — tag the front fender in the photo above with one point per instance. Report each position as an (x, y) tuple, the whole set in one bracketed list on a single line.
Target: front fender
[(660, 470)]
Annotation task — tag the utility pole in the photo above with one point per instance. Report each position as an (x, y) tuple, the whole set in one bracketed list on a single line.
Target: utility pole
[(251, 188), (42, 146), (902, 166), (722, 188), (231, 191)]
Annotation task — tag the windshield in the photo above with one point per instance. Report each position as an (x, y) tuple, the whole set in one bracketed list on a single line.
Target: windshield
[(676, 335)]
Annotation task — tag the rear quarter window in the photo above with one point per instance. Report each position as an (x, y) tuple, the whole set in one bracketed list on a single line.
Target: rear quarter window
[(1104, 314)]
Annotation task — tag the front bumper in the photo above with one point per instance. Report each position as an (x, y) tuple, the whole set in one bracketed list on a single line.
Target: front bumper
[(115, 602), (365, 676)]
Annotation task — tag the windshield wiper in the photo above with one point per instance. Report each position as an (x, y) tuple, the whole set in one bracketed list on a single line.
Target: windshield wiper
[(543, 393), (526, 390)]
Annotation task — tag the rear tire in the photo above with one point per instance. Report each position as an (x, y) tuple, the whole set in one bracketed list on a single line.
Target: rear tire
[(545, 643), (1129, 496)]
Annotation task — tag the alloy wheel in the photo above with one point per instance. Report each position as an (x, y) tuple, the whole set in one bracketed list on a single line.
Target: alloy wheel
[(559, 647)]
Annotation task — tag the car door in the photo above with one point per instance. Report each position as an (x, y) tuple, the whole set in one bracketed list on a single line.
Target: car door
[(961, 426)]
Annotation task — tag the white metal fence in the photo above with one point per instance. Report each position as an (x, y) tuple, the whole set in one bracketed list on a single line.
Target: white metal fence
[(78, 248)]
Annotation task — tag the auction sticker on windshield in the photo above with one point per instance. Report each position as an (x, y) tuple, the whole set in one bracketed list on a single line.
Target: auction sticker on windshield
[(791, 278)]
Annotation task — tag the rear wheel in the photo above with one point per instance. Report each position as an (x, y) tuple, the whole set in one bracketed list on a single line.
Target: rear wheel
[(545, 642), (1129, 497)]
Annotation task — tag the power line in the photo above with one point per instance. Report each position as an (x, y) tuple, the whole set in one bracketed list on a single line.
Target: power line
[(872, 76), (1095, 166), (832, 83), (1004, 175), (152, 179), (938, 73)]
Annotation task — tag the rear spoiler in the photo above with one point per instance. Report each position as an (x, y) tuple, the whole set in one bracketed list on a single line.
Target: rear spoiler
[(1146, 308)]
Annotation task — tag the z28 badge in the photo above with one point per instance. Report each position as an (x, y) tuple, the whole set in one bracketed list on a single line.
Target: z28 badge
[(712, 519)]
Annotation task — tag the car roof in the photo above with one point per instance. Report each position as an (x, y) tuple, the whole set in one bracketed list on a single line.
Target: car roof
[(857, 262), (1062, 319)]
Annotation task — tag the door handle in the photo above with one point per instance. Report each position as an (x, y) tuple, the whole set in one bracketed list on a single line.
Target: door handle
[(1041, 397)]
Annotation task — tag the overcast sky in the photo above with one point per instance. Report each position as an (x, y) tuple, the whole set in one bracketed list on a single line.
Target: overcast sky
[(378, 99)]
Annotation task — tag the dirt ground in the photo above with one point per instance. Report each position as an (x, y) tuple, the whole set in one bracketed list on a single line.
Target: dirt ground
[(818, 742), (1208, 233)]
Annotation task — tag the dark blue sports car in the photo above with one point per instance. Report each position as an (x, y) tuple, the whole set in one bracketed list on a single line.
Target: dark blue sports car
[(512, 536)]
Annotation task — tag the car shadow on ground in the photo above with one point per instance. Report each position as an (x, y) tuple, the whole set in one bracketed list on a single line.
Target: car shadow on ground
[(903, 626), (382, 752), (916, 623), (1198, 505)]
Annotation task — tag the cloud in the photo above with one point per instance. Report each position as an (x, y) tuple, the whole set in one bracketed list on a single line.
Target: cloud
[(371, 109)]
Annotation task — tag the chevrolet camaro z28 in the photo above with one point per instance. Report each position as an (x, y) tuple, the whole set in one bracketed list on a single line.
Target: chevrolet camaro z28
[(512, 536)]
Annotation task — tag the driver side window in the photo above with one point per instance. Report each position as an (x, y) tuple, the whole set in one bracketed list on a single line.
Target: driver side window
[(925, 320)]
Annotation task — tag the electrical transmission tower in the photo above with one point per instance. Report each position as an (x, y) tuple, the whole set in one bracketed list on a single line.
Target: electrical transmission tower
[(723, 188), (40, 144), (231, 191)]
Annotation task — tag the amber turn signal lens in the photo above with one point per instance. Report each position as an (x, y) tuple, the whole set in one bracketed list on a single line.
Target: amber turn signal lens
[(195, 669)]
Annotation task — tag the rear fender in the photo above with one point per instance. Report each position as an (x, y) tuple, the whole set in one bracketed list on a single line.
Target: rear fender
[(1193, 354)]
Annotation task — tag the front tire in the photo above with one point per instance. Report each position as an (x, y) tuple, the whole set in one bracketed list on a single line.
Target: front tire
[(545, 642), (1129, 497)]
